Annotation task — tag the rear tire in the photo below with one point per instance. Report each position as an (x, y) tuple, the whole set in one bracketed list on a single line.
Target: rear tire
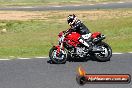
[(100, 56), (55, 59)]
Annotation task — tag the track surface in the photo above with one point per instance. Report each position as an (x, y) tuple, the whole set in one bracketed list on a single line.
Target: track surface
[(37, 73), (70, 7)]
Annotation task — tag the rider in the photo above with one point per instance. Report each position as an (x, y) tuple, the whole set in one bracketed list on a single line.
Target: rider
[(79, 27)]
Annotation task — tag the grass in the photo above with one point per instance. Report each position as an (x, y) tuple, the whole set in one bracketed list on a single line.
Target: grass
[(29, 38), (118, 32), (51, 2)]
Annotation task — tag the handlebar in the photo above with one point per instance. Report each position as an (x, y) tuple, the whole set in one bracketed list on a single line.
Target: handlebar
[(67, 31)]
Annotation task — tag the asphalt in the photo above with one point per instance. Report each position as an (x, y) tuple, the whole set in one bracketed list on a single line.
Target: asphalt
[(70, 7), (38, 73)]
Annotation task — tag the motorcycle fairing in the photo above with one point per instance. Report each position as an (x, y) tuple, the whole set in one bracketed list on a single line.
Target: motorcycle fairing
[(94, 35), (58, 48), (73, 39)]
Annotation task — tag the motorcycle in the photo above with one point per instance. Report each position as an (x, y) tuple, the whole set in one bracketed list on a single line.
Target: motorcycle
[(70, 47)]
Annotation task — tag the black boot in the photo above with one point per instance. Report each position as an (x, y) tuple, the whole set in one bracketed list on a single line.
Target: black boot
[(87, 43)]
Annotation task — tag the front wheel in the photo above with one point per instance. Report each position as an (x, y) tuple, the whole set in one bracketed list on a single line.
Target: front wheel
[(57, 59), (106, 54)]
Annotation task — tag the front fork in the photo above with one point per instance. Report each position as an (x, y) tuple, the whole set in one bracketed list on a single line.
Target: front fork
[(60, 49)]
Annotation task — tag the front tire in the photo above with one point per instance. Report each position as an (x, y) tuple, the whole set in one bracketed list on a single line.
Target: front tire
[(56, 59), (106, 55)]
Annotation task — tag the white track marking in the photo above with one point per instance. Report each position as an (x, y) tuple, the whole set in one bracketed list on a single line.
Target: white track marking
[(23, 7), (77, 5), (24, 58), (104, 3), (120, 2), (41, 57), (4, 59), (28, 7), (117, 53), (48, 57), (91, 4), (57, 6), (32, 58)]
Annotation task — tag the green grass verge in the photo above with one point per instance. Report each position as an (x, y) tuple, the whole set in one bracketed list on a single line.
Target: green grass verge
[(50, 2), (118, 32), (35, 37)]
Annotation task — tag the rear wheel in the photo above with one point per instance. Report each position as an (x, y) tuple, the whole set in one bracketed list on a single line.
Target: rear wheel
[(57, 59), (106, 54)]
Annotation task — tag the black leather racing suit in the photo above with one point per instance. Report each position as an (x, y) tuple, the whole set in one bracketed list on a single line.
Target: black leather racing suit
[(80, 28)]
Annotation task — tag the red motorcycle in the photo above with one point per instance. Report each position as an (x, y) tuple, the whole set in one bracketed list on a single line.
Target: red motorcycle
[(70, 47)]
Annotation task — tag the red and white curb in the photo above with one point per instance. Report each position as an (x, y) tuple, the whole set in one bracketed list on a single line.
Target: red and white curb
[(21, 58)]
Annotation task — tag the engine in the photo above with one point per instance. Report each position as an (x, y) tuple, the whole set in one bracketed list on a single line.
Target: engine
[(81, 51)]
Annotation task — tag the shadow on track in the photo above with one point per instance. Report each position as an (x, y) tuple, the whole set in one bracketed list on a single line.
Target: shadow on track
[(77, 60)]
